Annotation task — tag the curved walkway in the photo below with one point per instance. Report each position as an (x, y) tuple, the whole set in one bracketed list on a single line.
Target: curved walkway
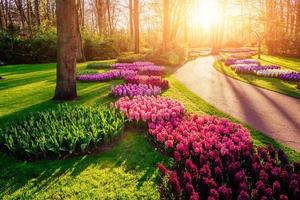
[(274, 114)]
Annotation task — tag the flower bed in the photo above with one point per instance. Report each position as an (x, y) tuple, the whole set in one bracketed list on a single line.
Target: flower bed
[(149, 80), (292, 76), (135, 90), (271, 72), (214, 159), (114, 74), (150, 108), (143, 68), (251, 69)]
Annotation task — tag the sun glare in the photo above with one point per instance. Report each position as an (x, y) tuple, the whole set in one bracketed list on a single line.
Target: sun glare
[(205, 13)]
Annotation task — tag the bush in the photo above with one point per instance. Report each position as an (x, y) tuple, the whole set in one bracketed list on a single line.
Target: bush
[(99, 50), (100, 65), (174, 56), (66, 130), (39, 48), (130, 58)]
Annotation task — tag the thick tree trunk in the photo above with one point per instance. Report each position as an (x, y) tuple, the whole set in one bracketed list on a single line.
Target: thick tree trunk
[(136, 27), (67, 45), (166, 24)]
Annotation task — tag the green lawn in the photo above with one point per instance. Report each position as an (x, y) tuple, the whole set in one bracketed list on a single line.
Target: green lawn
[(127, 171), (272, 84), (289, 63)]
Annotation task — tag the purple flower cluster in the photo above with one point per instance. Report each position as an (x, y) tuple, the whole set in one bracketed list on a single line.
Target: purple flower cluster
[(251, 69), (97, 77), (135, 90), (292, 76), (113, 74), (234, 61), (149, 80)]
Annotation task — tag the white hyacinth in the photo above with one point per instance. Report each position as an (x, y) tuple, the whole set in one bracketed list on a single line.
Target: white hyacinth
[(272, 72)]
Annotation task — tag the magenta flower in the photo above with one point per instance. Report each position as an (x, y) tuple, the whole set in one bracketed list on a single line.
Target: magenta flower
[(164, 171)]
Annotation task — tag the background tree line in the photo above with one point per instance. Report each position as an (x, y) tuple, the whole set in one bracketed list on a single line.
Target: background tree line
[(156, 29)]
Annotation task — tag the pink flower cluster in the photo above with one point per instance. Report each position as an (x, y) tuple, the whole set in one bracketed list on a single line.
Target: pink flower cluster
[(149, 80), (143, 68), (150, 108), (131, 90), (193, 135), (214, 159)]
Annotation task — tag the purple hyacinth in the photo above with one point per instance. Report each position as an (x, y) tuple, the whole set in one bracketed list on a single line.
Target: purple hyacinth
[(135, 90), (292, 76)]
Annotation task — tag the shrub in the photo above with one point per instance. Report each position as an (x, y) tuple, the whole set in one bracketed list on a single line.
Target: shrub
[(100, 65), (130, 58), (173, 56), (85, 71), (39, 48), (99, 50), (66, 130)]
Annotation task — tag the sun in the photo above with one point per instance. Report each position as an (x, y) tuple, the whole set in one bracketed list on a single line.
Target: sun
[(205, 13)]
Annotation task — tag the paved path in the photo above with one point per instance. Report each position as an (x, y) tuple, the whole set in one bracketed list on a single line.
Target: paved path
[(274, 114)]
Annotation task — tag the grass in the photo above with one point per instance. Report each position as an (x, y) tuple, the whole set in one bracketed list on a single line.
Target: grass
[(272, 84), (127, 171), (289, 63)]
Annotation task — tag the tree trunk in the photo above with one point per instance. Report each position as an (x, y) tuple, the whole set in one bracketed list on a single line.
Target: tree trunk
[(136, 27), (297, 30), (37, 12), (80, 52), (67, 45), (131, 19), (100, 20), (166, 24), (109, 17), (1, 16)]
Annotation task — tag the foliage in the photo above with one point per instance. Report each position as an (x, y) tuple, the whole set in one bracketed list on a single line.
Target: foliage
[(130, 58), (65, 130), (39, 48), (99, 50), (100, 65), (173, 56)]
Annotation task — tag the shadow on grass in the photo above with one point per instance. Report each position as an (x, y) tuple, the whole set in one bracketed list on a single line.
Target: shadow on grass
[(133, 154)]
